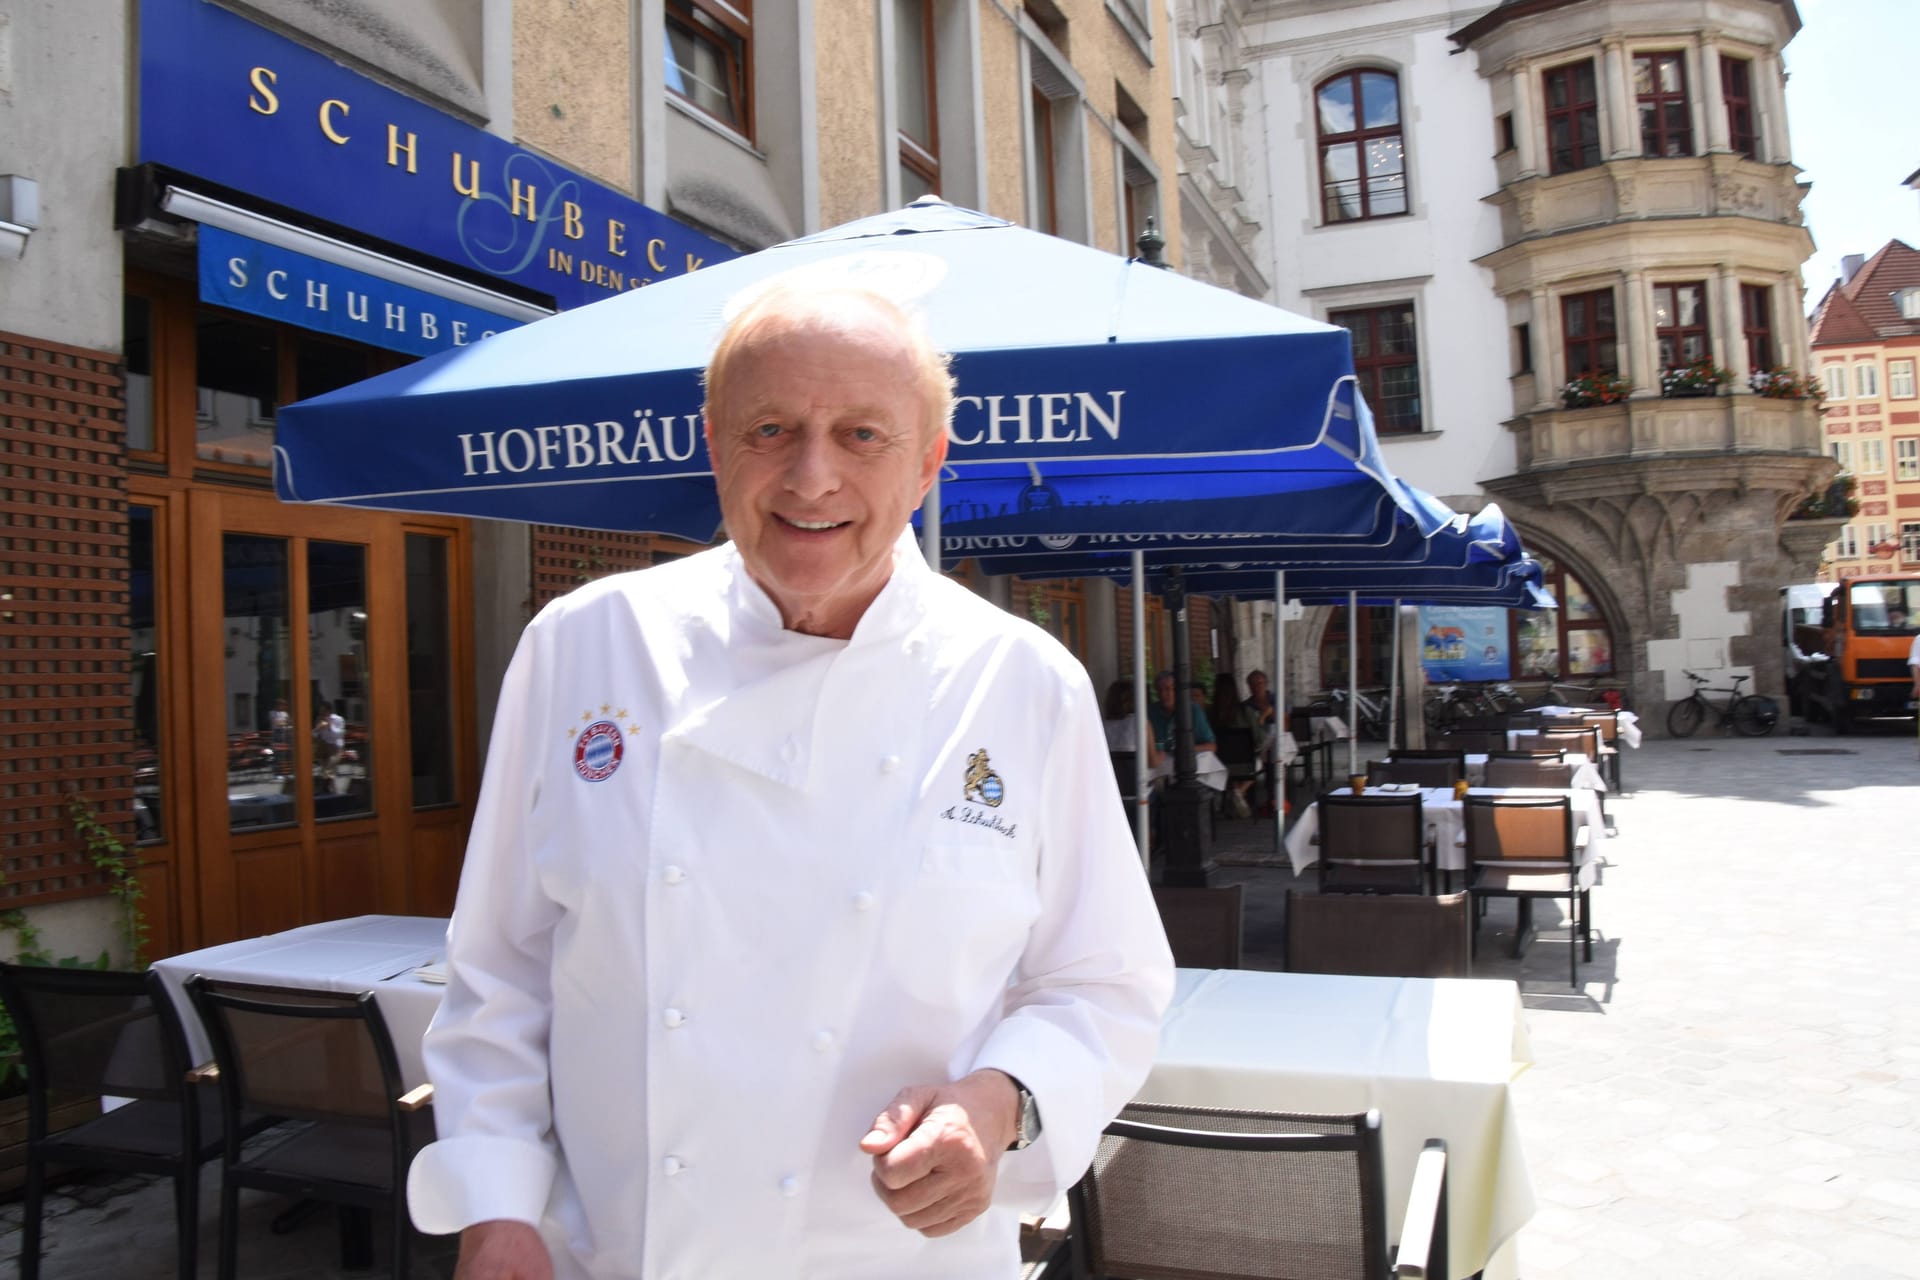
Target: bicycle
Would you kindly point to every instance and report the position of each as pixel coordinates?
(1751, 715)
(1450, 704)
(1372, 705)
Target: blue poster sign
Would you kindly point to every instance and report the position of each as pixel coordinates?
(233, 103)
(1464, 644)
(267, 280)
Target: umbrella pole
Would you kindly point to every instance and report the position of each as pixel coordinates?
(1393, 682)
(1142, 799)
(1353, 682)
(1278, 691)
(930, 524)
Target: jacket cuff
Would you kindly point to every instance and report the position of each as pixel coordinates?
(457, 1182)
(1053, 1067)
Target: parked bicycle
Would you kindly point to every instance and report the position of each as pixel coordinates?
(1372, 710)
(1449, 704)
(1751, 715)
(1567, 693)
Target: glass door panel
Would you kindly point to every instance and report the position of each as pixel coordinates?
(149, 817)
(337, 680)
(429, 671)
(258, 663)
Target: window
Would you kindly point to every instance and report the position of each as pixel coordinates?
(1908, 300)
(137, 337)
(1046, 204)
(1910, 540)
(1660, 89)
(1836, 378)
(1876, 535)
(1900, 379)
(237, 372)
(1872, 457)
(1573, 117)
(1363, 171)
(1057, 147)
(429, 677)
(1140, 185)
(1848, 547)
(1523, 347)
(1505, 124)
(149, 815)
(1756, 323)
(1866, 381)
(1680, 324)
(1591, 344)
(1736, 87)
(1906, 458)
(709, 51)
(1386, 357)
(1573, 640)
(915, 90)
(1841, 451)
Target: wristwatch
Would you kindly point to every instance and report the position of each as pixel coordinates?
(1028, 1130)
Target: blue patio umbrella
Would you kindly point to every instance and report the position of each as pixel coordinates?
(1096, 395)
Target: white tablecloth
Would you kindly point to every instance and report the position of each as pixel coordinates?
(1435, 1056)
(1442, 815)
(1629, 723)
(366, 953)
(1585, 772)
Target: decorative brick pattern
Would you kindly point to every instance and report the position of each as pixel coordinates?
(66, 702)
(566, 558)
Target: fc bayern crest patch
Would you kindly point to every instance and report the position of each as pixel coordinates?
(598, 750)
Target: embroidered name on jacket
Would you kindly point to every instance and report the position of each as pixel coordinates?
(972, 817)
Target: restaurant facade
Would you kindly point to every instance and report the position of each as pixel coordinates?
(210, 210)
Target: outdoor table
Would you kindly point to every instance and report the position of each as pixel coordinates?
(1446, 828)
(366, 953)
(1435, 1056)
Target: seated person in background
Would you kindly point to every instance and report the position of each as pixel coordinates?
(1122, 735)
(1160, 714)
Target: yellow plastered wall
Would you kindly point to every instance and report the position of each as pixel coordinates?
(848, 79)
(572, 80)
(1002, 103)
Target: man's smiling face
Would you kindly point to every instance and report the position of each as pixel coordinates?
(822, 444)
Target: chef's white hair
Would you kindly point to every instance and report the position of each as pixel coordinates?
(788, 302)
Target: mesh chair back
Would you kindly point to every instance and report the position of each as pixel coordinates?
(87, 1032)
(1204, 925)
(1536, 771)
(1387, 829)
(1526, 752)
(1476, 740)
(288, 1051)
(1518, 829)
(1607, 722)
(1400, 935)
(1577, 737)
(1181, 1192)
(1442, 771)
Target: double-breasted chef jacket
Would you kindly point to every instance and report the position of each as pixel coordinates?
(731, 887)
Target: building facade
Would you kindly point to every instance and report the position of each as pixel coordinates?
(212, 209)
(1866, 342)
(1566, 236)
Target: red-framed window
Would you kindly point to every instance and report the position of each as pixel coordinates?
(1363, 161)
(1386, 359)
(1680, 323)
(1756, 324)
(916, 93)
(1660, 90)
(710, 58)
(1736, 87)
(1590, 338)
(1573, 116)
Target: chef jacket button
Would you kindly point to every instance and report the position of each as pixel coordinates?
(914, 647)
(888, 764)
(823, 1040)
(673, 875)
(673, 1017)
(790, 1185)
(671, 1165)
(863, 901)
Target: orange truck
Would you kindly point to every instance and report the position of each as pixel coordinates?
(1869, 625)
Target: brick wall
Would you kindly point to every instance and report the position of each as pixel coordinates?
(66, 702)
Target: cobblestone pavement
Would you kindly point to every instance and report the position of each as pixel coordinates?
(1734, 1088)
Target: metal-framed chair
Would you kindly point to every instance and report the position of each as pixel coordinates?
(88, 1033)
(1374, 844)
(1204, 925)
(1399, 935)
(326, 1059)
(1427, 770)
(1525, 847)
(1198, 1193)
(1532, 771)
(1608, 725)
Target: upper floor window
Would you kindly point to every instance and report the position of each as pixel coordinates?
(1591, 339)
(1756, 321)
(1736, 86)
(1908, 300)
(1836, 379)
(1872, 457)
(1906, 458)
(1909, 540)
(1386, 358)
(709, 58)
(1573, 117)
(1866, 381)
(915, 93)
(1680, 323)
(1841, 451)
(1848, 546)
(1363, 162)
(1900, 379)
(1660, 89)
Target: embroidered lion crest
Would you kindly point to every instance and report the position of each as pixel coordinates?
(983, 784)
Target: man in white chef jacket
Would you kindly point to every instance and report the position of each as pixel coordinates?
(801, 932)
